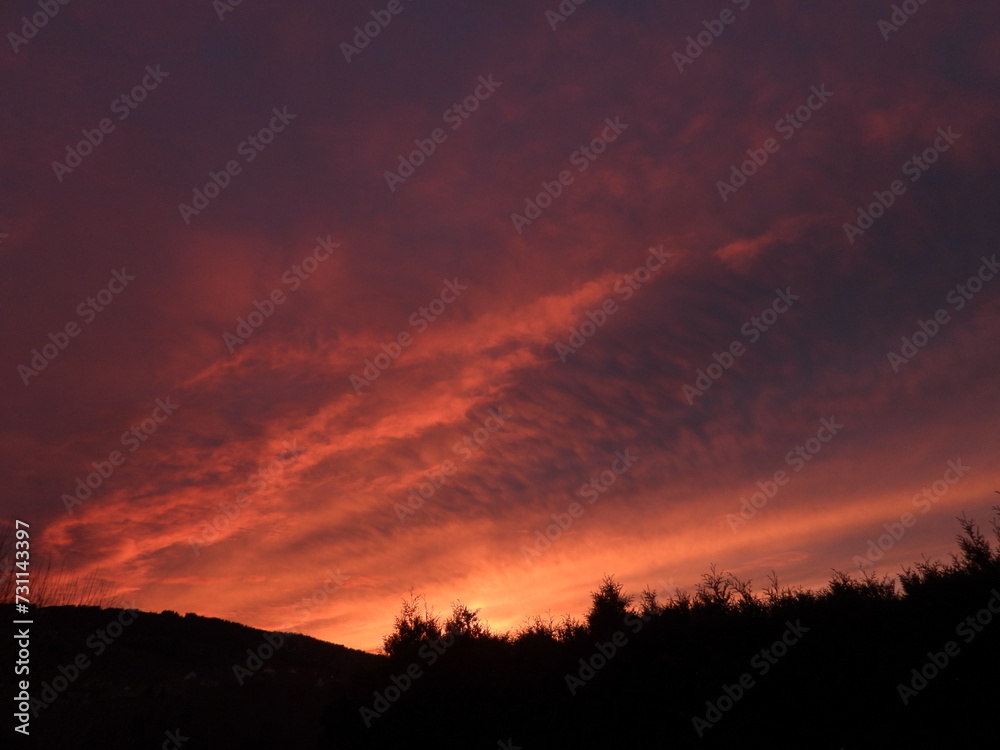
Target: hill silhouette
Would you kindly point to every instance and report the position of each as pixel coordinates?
(118, 678)
(866, 662)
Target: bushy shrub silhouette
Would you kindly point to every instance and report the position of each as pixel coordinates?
(976, 552)
(464, 624)
(608, 608)
(836, 687)
(415, 625)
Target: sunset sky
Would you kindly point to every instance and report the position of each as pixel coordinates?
(537, 233)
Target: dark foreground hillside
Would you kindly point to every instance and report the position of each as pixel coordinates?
(861, 664)
(864, 663)
(110, 679)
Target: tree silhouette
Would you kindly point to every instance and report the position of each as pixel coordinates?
(608, 608)
(414, 626)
